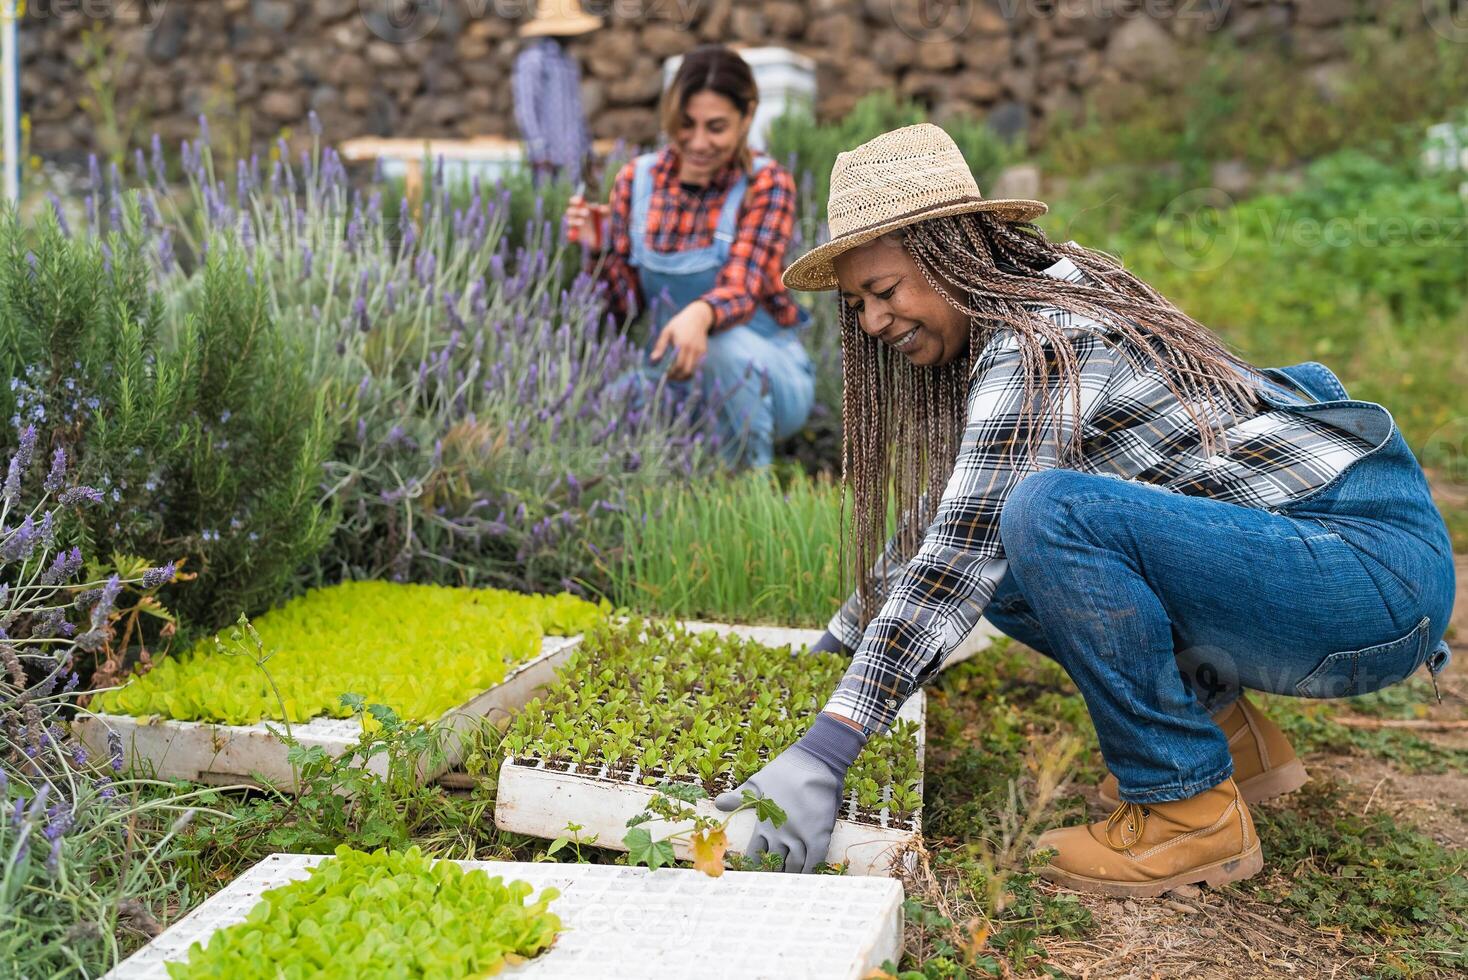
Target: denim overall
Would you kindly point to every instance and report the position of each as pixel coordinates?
(1163, 607)
(757, 374)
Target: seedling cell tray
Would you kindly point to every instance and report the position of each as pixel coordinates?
(252, 754)
(626, 923)
(538, 801)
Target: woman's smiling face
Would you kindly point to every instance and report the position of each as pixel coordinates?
(894, 303)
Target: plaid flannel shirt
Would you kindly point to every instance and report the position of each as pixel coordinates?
(1131, 427)
(679, 219)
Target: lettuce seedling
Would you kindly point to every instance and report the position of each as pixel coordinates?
(387, 913)
(419, 649)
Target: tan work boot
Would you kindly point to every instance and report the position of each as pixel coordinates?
(1265, 765)
(1143, 850)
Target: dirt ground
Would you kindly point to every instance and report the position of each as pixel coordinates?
(1206, 934)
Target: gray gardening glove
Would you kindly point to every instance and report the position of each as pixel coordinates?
(806, 781)
(829, 644)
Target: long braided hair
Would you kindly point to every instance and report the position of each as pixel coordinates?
(902, 424)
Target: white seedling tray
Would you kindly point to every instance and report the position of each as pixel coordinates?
(626, 923)
(540, 802)
(229, 754)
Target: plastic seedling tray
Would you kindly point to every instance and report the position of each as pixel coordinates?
(229, 754)
(625, 923)
(539, 801)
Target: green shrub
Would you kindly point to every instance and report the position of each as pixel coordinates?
(1360, 264)
(381, 914)
(418, 649)
(1259, 105)
(199, 424)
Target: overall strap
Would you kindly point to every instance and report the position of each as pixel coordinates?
(641, 200)
(733, 204)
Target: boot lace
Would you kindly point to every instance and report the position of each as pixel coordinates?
(1125, 825)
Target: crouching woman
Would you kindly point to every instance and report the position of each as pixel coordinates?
(1117, 490)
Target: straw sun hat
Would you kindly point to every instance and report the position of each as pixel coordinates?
(900, 178)
(559, 18)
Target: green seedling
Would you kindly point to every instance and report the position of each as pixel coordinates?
(708, 836)
(723, 707)
(369, 637)
(574, 839)
(360, 914)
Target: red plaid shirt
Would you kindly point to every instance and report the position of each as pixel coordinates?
(679, 219)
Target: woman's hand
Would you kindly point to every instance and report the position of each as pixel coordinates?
(688, 334)
(807, 781)
(581, 222)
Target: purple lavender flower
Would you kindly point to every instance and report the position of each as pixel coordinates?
(160, 171)
(114, 751)
(27, 447)
(106, 601)
(60, 214)
(57, 474)
(155, 577)
(21, 542)
(76, 494)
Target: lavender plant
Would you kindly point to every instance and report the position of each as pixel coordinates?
(84, 852)
(481, 435)
(196, 423)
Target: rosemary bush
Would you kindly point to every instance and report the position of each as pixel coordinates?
(198, 424)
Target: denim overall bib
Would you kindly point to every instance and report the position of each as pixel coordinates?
(1383, 506)
(757, 374)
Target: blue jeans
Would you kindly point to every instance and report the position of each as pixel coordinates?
(1162, 607)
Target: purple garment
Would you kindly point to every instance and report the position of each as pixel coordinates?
(548, 108)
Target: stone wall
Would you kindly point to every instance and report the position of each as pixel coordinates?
(442, 67)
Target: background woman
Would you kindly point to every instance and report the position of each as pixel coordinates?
(697, 238)
(1121, 493)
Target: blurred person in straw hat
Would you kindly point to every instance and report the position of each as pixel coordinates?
(696, 240)
(547, 89)
(1094, 471)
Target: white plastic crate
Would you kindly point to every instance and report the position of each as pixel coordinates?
(540, 802)
(228, 754)
(626, 923)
